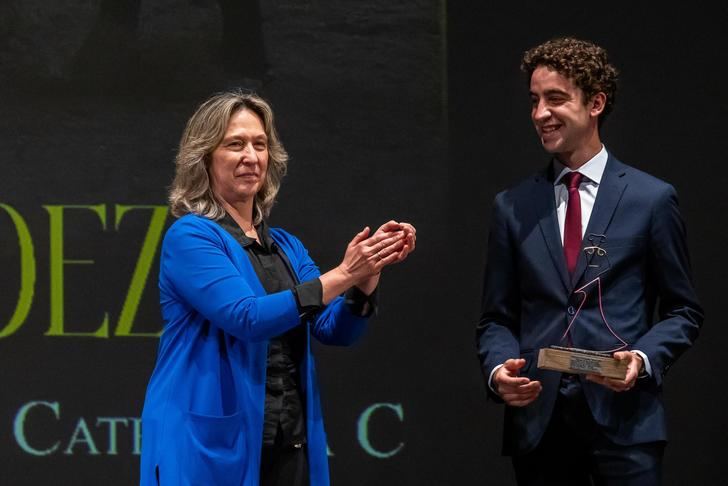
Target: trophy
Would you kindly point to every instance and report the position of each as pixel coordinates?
(584, 361)
(581, 361)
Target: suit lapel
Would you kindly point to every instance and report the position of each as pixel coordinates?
(610, 193)
(545, 205)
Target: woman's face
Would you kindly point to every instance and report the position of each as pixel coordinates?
(239, 164)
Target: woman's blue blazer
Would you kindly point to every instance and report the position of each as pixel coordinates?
(202, 422)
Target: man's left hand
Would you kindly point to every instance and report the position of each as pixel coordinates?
(634, 367)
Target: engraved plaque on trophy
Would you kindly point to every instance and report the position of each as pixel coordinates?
(581, 361)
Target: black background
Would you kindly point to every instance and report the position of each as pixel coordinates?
(414, 111)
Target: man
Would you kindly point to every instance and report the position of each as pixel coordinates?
(589, 253)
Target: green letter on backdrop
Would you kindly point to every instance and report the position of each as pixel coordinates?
(57, 262)
(141, 272)
(27, 273)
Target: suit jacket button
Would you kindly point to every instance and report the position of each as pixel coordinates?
(571, 310)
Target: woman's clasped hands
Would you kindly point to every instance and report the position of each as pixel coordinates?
(366, 255)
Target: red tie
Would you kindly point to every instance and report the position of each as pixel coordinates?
(572, 226)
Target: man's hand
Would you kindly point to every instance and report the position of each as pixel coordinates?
(516, 391)
(634, 367)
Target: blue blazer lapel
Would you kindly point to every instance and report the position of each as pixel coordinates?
(610, 193)
(545, 206)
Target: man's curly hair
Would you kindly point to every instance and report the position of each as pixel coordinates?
(583, 62)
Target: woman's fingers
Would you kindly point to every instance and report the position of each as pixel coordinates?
(360, 236)
(389, 226)
(400, 243)
(408, 227)
(405, 250)
(402, 254)
(386, 260)
(411, 235)
(384, 247)
(380, 236)
(368, 253)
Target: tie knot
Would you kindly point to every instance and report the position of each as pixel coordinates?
(572, 180)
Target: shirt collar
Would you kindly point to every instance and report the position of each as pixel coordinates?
(593, 169)
(229, 224)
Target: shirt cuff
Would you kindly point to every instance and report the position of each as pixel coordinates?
(490, 379)
(309, 297)
(361, 304)
(648, 368)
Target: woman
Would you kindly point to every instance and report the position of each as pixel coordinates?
(233, 399)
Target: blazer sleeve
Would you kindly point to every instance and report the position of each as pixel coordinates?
(335, 324)
(499, 319)
(196, 267)
(680, 315)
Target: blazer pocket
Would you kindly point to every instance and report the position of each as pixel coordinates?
(214, 450)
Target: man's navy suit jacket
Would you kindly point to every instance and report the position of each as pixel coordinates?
(647, 297)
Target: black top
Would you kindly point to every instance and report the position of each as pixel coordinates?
(283, 393)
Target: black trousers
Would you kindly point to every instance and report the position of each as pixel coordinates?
(575, 452)
(284, 464)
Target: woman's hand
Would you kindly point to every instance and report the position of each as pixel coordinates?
(367, 285)
(410, 234)
(365, 257)
(410, 241)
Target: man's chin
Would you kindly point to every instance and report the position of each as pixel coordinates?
(550, 146)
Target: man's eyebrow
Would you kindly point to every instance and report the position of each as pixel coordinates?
(551, 92)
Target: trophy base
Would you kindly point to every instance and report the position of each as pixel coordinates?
(581, 361)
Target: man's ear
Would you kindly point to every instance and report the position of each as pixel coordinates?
(597, 104)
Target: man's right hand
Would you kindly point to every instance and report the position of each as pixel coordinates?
(516, 391)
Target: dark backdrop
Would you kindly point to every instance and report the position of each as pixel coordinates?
(667, 121)
(411, 111)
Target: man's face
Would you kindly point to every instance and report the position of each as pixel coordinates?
(565, 125)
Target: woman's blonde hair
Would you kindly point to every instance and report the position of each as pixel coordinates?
(191, 191)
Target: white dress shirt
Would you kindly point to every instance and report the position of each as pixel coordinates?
(592, 171)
